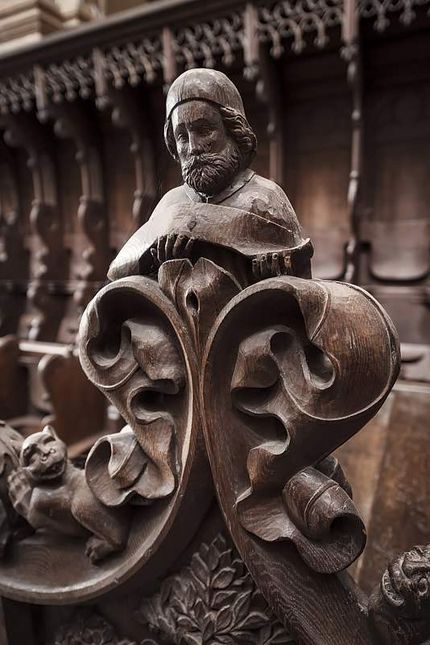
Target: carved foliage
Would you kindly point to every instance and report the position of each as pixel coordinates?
(199, 293)
(297, 393)
(135, 357)
(214, 600)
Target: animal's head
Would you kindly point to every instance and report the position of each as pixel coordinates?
(406, 583)
(44, 456)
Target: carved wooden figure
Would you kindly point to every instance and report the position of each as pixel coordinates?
(216, 345)
(52, 495)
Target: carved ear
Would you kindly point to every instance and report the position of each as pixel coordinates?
(50, 430)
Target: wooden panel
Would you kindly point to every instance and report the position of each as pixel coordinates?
(409, 309)
(318, 155)
(69, 182)
(361, 459)
(120, 180)
(19, 623)
(396, 501)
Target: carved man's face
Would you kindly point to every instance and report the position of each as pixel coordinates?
(208, 156)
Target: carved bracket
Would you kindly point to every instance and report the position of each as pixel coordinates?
(127, 114)
(45, 221)
(90, 250)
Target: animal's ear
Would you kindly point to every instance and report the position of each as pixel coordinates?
(50, 430)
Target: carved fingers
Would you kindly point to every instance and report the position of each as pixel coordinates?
(271, 265)
(19, 491)
(171, 247)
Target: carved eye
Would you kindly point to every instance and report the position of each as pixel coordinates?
(204, 130)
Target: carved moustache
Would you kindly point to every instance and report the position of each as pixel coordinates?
(209, 173)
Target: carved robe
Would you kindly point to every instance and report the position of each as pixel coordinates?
(251, 217)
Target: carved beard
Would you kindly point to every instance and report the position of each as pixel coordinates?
(210, 173)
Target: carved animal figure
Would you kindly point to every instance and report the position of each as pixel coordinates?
(53, 495)
(400, 607)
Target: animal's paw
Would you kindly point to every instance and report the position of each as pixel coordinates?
(98, 549)
(19, 489)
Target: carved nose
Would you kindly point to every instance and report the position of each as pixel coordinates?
(195, 147)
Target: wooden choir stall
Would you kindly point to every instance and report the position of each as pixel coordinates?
(215, 326)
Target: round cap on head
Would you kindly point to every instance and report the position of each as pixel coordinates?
(205, 85)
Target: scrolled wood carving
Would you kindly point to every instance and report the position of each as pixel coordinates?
(292, 369)
(136, 360)
(213, 322)
(294, 391)
(137, 350)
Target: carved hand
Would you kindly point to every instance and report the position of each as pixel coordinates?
(20, 491)
(171, 247)
(270, 265)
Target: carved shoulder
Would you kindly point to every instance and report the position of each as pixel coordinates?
(267, 198)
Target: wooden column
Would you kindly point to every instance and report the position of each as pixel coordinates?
(46, 244)
(90, 248)
(352, 54)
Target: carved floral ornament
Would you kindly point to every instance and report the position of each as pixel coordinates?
(161, 55)
(216, 345)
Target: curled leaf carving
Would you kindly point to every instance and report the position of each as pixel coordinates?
(132, 353)
(199, 292)
(293, 382)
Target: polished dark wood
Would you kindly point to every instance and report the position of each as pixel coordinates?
(343, 128)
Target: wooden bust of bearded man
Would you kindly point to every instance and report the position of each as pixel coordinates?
(223, 211)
